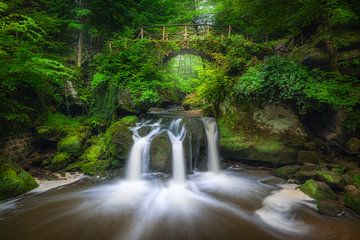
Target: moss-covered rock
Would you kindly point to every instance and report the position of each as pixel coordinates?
(239, 144)
(91, 161)
(60, 161)
(331, 178)
(160, 152)
(286, 171)
(14, 181)
(308, 157)
(119, 137)
(71, 145)
(317, 190)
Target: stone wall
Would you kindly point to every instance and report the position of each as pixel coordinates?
(17, 146)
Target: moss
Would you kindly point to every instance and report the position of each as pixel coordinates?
(91, 160)
(317, 190)
(14, 181)
(71, 145)
(119, 138)
(60, 161)
(352, 201)
(330, 177)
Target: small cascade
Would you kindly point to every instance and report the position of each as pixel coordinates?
(138, 160)
(212, 144)
(177, 135)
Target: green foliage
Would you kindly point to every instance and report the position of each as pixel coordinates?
(279, 80)
(27, 66)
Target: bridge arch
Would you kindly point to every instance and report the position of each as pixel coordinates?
(184, 51)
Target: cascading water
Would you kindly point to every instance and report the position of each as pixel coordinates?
(177, 135)
(138, 160)
(212, 144)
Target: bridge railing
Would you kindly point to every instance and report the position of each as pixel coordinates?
(182, 31)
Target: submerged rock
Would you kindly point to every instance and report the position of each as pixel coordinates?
(330, 207)
(14, 181)
(317, 190)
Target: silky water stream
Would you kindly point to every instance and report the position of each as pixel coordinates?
(195, 200)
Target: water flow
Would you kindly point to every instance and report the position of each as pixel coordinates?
(177, 135)
(212, 144)
(138, 160)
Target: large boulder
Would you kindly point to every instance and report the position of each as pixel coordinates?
(160, 153)
(119, 137)
(14, 181)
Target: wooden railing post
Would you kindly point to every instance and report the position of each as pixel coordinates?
(163, 33)
(141, 33)
(186, 33)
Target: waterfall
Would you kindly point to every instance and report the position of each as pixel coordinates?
(177, 135)
(212, 144)
(138, 159)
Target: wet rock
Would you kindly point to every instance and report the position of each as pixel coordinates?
(352, 200)
(286, 171)
(160, 153)
(302, 176)
(317, 190)
(330, 207)
(353, 145)
(309, 167)
(308, 157)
